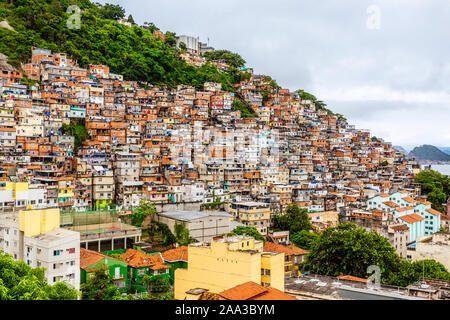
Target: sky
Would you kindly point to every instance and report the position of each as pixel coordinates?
(383, 64)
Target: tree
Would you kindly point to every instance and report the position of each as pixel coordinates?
(183, 46)
(62, 291)
(306, 96)
(248, 231)
(294, 220)
(18, 281)
(435, 186)
(77, 131)
(232, 59)
(159, 284)
(411, 272)
(304, 239)
(161, 230)
(349, 250)
(138, 216)
(100, 286)
(112, 12)
(130, 19)
(171, 39)
(182, 234)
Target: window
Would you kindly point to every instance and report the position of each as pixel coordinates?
(141, 272)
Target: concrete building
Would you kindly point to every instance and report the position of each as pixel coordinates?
(398, 235)
(192, 43)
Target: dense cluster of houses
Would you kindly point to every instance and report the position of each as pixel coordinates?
(183, 145)
(180, 145)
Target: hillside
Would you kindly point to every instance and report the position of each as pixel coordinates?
(131, 51)
(428, 153)
(134, 52)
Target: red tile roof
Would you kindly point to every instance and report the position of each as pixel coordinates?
(391, 204)
(89, 257)
(400, 228)
(253, 291)
(404, 209)
(411, 218)
(409, 199)
(278, 248)
(178, 254)
(139, 259)
(434, 212)
(424, 202)
(297, 249)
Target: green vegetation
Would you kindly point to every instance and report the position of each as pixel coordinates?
(212, 205)
(230, 58)
(182, 234)
(273, 83)
(156, 284)
(436, 187)
(100, 287)
(133, 51)
(160, 231)
(77, 131)
(18, 281)
(112, 12)
(293, 220)
(411, 272)
(349, 250)
(304, 239)
(320, 105)
(248, 231)
(238, 104)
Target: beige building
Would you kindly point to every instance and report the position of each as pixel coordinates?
(202, 226)
(398, 235)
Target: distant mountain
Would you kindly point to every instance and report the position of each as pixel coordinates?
(428, 153)
(446, 150)
(399, 148)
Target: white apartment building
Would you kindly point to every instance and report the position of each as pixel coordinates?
(57, 250)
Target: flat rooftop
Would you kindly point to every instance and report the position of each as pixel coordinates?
(56, 234)
(192, 215)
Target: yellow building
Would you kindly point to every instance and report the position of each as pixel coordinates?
(36, 222)
(255, 214)
(228, 262)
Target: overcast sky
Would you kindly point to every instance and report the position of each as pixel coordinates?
(383, 64)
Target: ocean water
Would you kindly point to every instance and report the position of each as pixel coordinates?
(441, 168)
